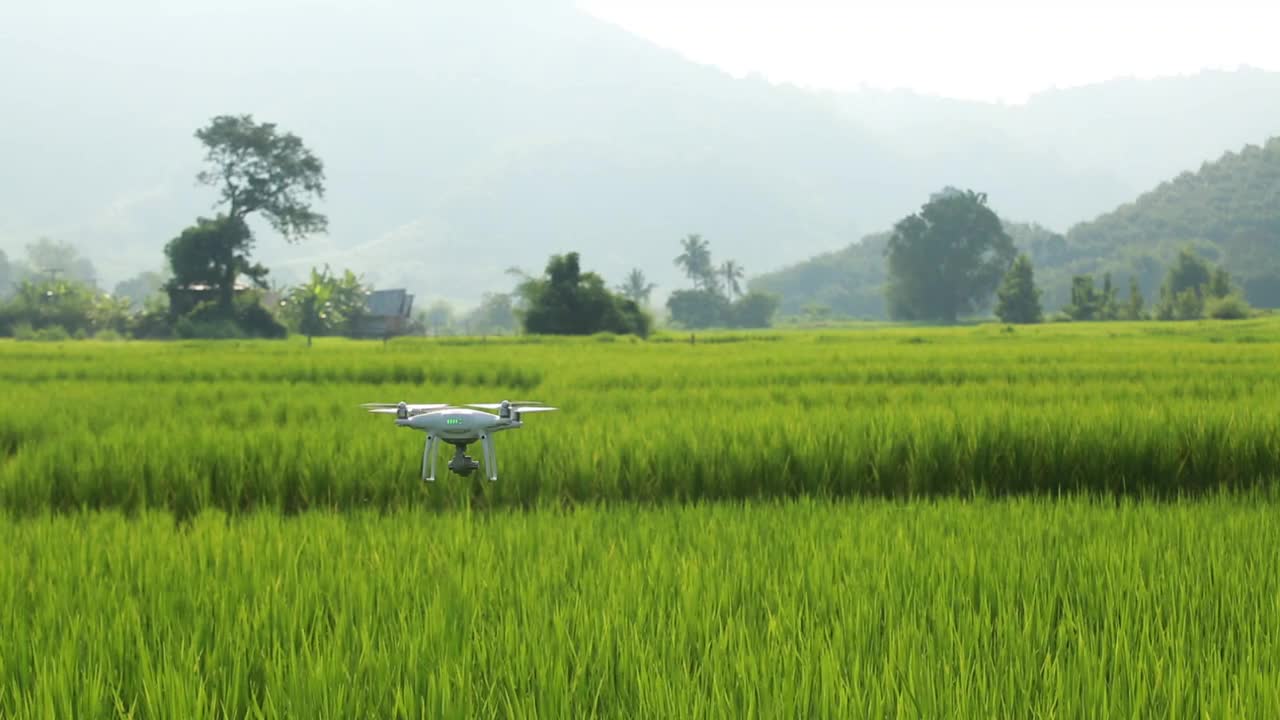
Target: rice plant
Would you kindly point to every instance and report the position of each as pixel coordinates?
(1139, 410)
(1010, 608)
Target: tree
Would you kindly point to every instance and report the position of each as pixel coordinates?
(46, 303)
(52, 260)
(1133, 309)
(696, 262)
(1108, 306)
(636, 288)
(1220, 285)
(210, 255)
(495, 314)
(1018, 300)
(6, 274)
(754, 310)
(567, 301)
(256, 170)
(326, 304)
(1182, 295)
(731, 271)
(259, 170)
(1086, 302)
(698, 308)
(140, 287)
(946, 259)
(438, 318)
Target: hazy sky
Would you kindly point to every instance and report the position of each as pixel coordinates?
(1000, 50)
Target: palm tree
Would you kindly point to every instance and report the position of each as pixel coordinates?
(732, 274)
(636, 287)
(696, 261)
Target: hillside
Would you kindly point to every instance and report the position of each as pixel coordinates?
(1229, 210)
(462, 139)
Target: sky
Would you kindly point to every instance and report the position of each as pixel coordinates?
(989, 50)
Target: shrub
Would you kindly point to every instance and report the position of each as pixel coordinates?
(1231, 307)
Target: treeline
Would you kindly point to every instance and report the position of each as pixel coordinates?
(1225, 214)
(213, 288)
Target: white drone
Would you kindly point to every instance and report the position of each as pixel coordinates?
(459, 425)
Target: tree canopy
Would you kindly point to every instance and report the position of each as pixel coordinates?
(946, 259)
(257, 169)
(326, 304)
(568, 301)
(1018, 300)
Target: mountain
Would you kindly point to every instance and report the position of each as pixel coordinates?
(1229, 211)
(464, 138)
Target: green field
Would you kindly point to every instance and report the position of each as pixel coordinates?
(1134, 409)
(1058, 521)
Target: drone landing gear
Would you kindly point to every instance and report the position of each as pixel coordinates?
(461, 463)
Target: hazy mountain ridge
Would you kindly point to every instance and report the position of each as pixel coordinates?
(1228, 210)
(460, 140)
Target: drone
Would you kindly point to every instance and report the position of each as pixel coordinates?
(459, 425)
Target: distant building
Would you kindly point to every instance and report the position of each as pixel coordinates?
(387, 314)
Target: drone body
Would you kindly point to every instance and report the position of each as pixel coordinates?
(459, 426)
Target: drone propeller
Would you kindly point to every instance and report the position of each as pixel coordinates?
(539, 408)
(511, 403)
(394, 408)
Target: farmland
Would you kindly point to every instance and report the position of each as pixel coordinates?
(968, 522)
(1140, 409)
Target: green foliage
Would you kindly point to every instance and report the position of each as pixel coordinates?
(249, 319)
(696, 309)
(636, 287)
(1227, 206)
(1089, 303)
(753, 310)
(947, 259)
(141, 287)
(695, 260)
(1009, 609)
(326, 304)
(1194, 287)
(1228, 307)
(568, 301)
(257, 169)
(40, 304)
(206, 259)
(1133, 309)
(1119, 409)
(1018, 299)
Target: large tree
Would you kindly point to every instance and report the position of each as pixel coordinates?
(211, 254)
(946, 259)
(567, 301)
(257, 170)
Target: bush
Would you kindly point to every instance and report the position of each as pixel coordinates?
(51, 333)
(108, 335)
(1231, 307)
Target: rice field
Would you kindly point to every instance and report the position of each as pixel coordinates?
(1144, 410)
(1011, 608)
(1059, 521)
